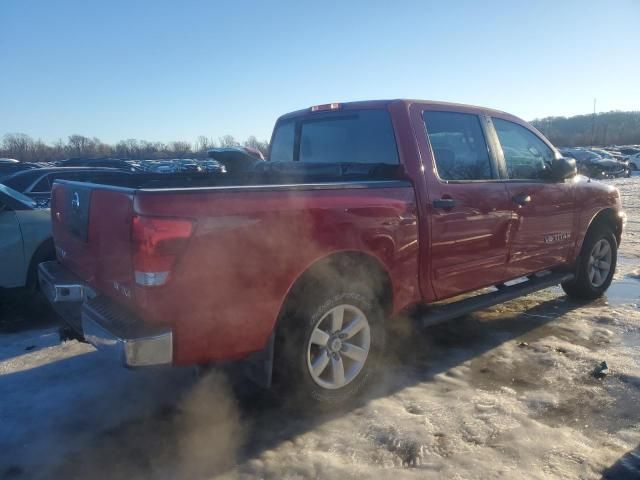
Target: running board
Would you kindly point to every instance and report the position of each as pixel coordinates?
(441, 313)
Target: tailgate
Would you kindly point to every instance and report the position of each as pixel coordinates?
(92, 232)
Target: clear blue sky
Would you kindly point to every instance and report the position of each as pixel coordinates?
(173, 70)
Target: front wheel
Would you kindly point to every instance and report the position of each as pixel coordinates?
(329, 345)
(596, 265)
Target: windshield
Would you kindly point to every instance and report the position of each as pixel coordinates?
(602, 153)
(22, 180)
(10, 192)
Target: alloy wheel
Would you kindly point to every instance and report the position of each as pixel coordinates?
(338, 346)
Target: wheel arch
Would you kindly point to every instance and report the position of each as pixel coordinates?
(608, 217)
(353, 264)
(605, 217)
(44, 251)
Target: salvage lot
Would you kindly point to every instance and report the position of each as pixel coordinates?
(507, 392)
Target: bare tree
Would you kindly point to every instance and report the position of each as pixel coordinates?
(204, 143)
(253, 142)
(80, 145)
(18, 146)
(24, 148)
(228, 141)
(180, 149)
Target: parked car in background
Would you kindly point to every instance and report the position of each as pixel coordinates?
(9, 168)
(595, 165)
(634, 161)
(181, 165)
(120, 164)
(363, 210)
(235, 158)
(36, 183)
(629, 150)
(616, 154)
(621, 159)
(25, 239)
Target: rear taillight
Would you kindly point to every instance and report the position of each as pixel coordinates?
(157, 243)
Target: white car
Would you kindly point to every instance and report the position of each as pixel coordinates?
(25, 239)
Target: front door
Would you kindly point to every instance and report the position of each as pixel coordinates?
(543, 228)
(469, 209)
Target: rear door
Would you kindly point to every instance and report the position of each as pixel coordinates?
(543, 210)
(468, 207)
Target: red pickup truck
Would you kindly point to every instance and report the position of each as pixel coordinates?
(361, 211)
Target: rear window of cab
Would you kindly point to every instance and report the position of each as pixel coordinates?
(353, 136)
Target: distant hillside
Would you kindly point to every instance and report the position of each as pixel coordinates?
(611, 128)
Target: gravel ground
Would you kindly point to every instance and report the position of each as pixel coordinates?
(504, 393)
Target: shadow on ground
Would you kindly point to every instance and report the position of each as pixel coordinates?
(21, 309)
(626, 468)
(220, 425)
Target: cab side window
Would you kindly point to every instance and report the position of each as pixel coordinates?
(283, 142)
(526, 156)
(458, 146)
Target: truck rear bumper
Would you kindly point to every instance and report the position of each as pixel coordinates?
(107, 326)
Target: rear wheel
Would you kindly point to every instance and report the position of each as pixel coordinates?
(329, 344)
(596, 265)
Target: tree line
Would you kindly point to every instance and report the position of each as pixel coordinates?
(610, 128)
(24, 148)
(603, 129)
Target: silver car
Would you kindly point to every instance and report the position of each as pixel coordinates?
(25, 239)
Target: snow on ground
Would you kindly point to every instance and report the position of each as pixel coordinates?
(504, 393)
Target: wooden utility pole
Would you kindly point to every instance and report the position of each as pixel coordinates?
(593, 124)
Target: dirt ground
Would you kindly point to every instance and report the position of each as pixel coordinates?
(503, 393)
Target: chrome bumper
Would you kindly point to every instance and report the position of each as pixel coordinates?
(105, 325)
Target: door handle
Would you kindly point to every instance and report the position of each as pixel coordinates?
(521, 199)
(444, 203)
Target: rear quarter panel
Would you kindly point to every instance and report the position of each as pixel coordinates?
(249, 247)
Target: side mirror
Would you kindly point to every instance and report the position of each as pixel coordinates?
(563, 168)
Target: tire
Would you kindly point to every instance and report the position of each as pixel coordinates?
(592, 278)
(309, 347)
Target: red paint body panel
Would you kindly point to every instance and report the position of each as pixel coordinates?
(550, 213)
(249, 245)
(248, 249)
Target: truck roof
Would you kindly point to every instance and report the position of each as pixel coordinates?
(406, 101)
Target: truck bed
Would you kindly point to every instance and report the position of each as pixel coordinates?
(261, 173)
(248, 244)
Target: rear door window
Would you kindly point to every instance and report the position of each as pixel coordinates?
(458, 146)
